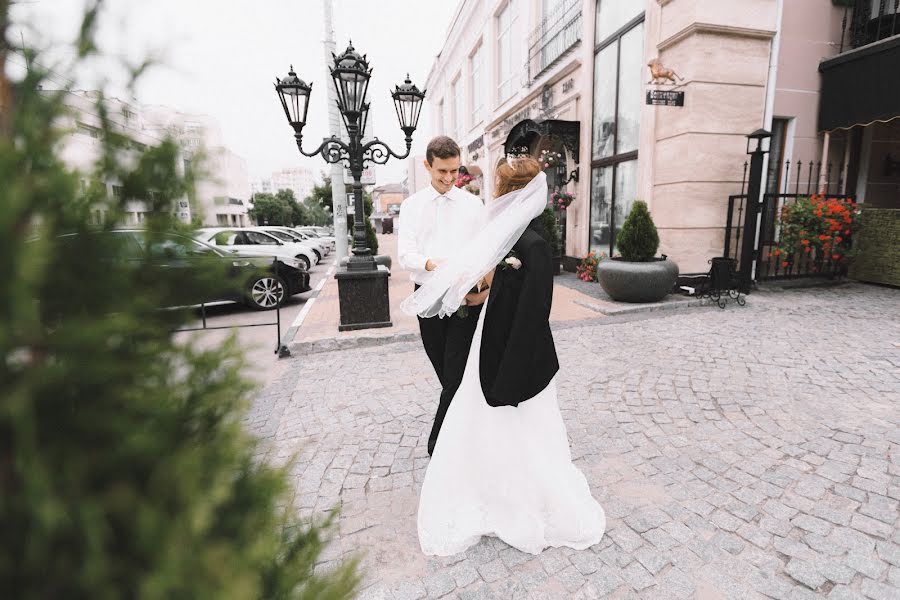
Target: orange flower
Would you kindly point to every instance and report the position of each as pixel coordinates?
(777, 252)
(804, 242)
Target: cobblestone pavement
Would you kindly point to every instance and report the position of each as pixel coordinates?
(739, 453)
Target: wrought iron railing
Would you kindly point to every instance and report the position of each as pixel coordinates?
(557, 32)
(868, 21)
(805, 179)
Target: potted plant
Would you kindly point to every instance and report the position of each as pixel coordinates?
(637, 275)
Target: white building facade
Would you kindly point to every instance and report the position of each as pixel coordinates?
(511, 78)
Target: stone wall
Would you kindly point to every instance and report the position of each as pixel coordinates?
(878, 260)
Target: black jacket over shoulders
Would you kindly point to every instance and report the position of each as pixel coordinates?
(518, 358)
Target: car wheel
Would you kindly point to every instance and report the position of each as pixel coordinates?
(318, 255)
(266, 292)
(305, 261)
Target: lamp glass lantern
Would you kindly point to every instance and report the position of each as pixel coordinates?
(294, 95)
(762, 138)
(408, 101)
(351, 74)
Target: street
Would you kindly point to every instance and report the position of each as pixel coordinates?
(743, 453)
(258, 343)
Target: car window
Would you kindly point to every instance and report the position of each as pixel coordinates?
(257, 237)
(285, 237)
(172, 246)
(225, 238)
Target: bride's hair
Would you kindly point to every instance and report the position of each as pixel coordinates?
(515, 173)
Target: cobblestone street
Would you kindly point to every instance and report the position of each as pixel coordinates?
(741, 453)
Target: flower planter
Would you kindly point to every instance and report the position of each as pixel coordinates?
(626, 281)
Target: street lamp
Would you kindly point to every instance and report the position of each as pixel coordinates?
(362, 285)
(751, 215)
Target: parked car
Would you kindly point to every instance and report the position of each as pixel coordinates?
(259, 243)
(304, 238)
(286, 234)
(260, 282)
(312, 232)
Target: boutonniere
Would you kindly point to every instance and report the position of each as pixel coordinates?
(511, 261)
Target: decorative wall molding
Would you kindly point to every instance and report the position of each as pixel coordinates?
(715, 29)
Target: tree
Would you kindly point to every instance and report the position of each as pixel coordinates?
(124, 467)
(638, 239)
(270, 210)
(298, 215)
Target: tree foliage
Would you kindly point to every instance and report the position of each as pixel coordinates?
(124, 468)
(638, 239)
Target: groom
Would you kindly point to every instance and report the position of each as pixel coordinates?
(434, 223)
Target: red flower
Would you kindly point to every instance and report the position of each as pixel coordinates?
(838, 239)
(805, 243)
(835, 257)
(777, 252)
(784, 263)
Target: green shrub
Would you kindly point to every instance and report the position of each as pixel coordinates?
(638, 240)
(125, 470)
(548, 220)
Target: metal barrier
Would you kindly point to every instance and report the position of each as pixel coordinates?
(280, 349)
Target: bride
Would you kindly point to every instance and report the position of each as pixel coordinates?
(502, 465)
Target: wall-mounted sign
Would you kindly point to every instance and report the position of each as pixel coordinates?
(568, 85)
(665, 98)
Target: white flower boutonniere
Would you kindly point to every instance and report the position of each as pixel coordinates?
(510, 262)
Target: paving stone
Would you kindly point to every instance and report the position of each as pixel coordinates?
(646, 520)
(812, 524)
(482, 592)
(409, 590)
(439, 584)
(652, 560)
(889, 552)
(637, 576)
(626, 539)
(771, 586)
(879, 591)
(871, 526)
(726, 521)
(804, 572)
(866, 564)
(464, 574)
(493, 570)
(585, 563)
(881, 508)
(843, 592)
(571, 579)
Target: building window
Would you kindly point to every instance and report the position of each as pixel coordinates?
(477, 85)
(618, 68)
(506, 40)
(456, 108)
(222, 219)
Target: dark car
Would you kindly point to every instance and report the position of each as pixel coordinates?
(257, 281)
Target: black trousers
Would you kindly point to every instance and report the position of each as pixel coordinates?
(447, 342)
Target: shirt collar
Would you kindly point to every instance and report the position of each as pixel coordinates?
(436, 194)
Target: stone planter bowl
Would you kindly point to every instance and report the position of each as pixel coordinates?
(626, 281)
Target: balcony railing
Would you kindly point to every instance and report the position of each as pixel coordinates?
(868, 21)
(557, 32)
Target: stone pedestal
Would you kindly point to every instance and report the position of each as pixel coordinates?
(364, 299)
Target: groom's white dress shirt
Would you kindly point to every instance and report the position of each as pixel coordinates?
(434, 226)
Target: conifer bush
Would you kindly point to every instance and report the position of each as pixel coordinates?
(124, 469)
(638, 239)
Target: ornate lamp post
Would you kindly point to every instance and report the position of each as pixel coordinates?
(754, 198)
(362, 285)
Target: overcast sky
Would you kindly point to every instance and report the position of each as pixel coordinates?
(221, 58)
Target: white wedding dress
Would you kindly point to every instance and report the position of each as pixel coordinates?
(504, 471)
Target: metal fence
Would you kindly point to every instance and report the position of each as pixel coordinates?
(805, 179)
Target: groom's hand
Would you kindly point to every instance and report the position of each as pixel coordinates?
(477, 299)
(430, 265)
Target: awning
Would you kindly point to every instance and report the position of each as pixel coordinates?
(860, 87)
(525, 134)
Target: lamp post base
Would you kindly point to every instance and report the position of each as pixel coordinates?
(364, 299)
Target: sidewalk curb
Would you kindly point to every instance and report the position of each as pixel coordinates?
(640, 308)
(337, 344)
(288, 338)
